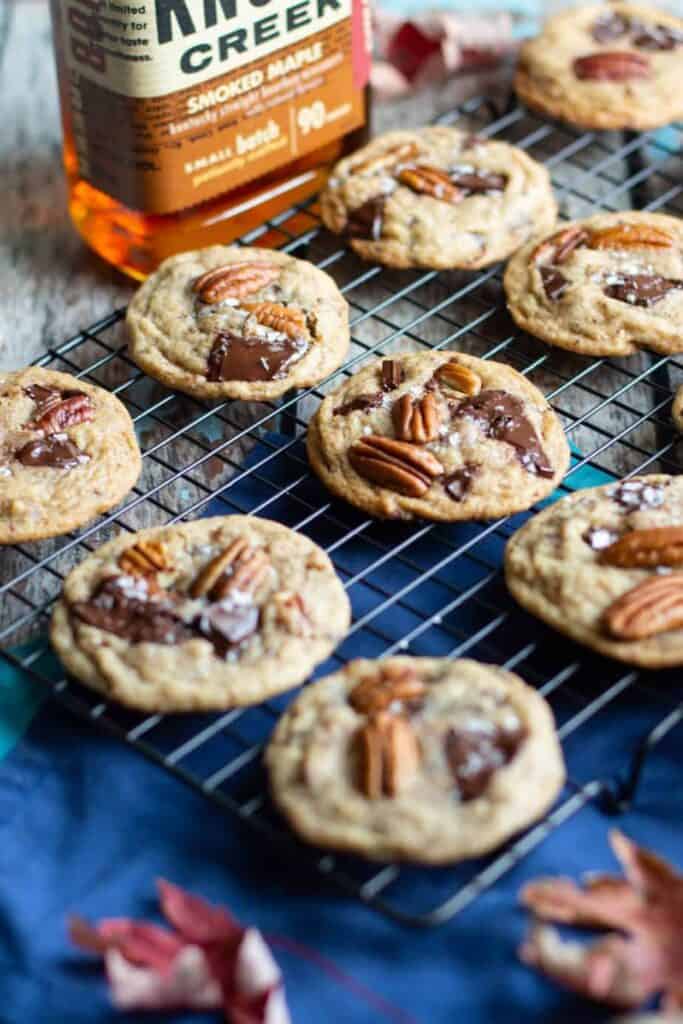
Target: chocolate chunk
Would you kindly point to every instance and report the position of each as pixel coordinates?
(475, 754)
(478, 181)
(227, 624)
(609, 27)
(53, 452)
(40, 393)
(599, 537)
(501, 417)
(363, 402)
(554, 282)
(635, 495)
(125, 607)
(459, 483)
(392, 374)
(657, 37)
(366, 220)
(235, 358)
(641, 289)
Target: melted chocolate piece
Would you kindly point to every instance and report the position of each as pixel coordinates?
(236, 358)
(366, 220)
(53, 452)
(642, 289)
(125, 607)
(554, 282)
(363, 402)
(478, 181)
(599, 537)
(458, 484)
(227, 624)
(474, 755)
(501, 417)
(609, 27)
(638, 494)
(657, 37)
(392, 374)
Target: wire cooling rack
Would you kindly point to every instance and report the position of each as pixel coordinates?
(420, 588)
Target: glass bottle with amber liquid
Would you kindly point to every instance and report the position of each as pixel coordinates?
(189, 122)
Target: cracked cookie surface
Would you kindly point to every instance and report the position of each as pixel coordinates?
(607, 285)
(605, 566)
(607, 67)
(205, 615)
(238, 322)
(439, 198)
(420, 759)
(438, 435)
(68, 453)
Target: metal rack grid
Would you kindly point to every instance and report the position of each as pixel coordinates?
(419, 588)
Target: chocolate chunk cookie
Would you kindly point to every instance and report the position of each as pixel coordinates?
(233, 322)
(605, 286)
(605, 566)
(199, 616)
(67, 453)
(420, 759)
(438, 435)
(677, 410)
(608, 66)
(438, 198)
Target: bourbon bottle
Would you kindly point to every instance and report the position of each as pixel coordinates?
(189, 122)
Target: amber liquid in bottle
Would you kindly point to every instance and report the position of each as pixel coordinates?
(136, 241)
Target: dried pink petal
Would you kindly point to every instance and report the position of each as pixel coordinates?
(187, 985)
(621, 970)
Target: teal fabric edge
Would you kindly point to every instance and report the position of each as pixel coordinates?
(21, 696)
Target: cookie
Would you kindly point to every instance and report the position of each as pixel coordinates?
(605, 286)
(677, 410)
(438, 198)
(199, 616)
(611, 67)
(420, 759)
(605, 566)
(438, 435)
(234, 322)
(67, 453)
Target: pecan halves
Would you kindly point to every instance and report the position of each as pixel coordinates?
(284, 319)
(558, 247)
(652, 607)
(392, 374)
(431, 181)
(391, 685)
(397, 154)
(459, 378)
(389, 756)
(612, 66)
(238, 567)
(234, 280)
(646, 549)
(416, 420)
(145, 558)
(630, 236)
(397, 465)
(57, 415)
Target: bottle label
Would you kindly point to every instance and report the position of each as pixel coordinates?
(172, 102)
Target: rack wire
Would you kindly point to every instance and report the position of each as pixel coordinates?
(420, 588)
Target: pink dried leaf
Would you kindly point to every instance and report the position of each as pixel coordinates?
(196, 919)
(620, 969)
(140, 942)
(614, 970)
(186, 985)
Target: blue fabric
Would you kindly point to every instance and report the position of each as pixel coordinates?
(87, 824)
